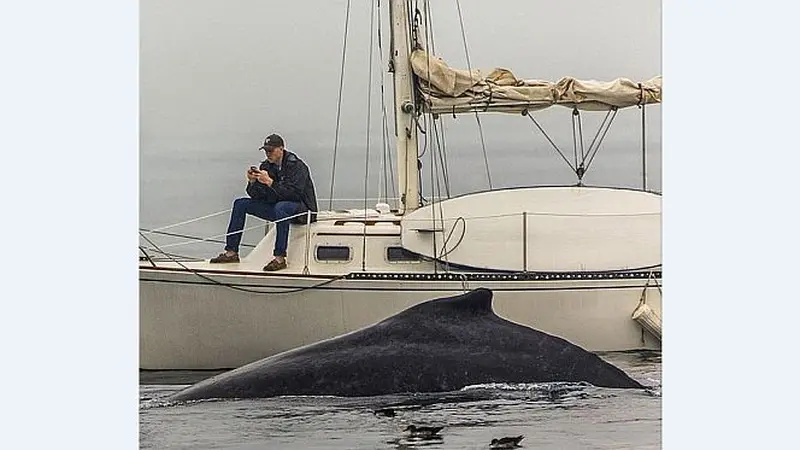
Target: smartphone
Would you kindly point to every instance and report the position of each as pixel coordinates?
(253, 169)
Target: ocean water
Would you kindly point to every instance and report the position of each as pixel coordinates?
(550, 415)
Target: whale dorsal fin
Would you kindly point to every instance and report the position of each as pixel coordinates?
(475, 302)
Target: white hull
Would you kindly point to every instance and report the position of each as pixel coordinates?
(347, 271)
(188, 322)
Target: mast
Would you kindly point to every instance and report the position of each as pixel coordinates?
(404, 109)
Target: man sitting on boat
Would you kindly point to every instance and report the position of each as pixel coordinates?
(279, 190)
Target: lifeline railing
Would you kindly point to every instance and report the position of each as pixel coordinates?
(444, 251)
(438, 226)
(191, 240)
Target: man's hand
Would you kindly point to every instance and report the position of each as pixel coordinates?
(251, 176)
(263, 177)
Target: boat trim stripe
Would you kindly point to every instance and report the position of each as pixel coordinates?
(451, 276)
(252, 287)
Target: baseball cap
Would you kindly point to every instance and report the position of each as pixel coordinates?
(273, 140)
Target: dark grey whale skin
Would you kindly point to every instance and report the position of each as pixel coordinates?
(441, 345)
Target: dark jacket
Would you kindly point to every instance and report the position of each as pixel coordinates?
(292, 182)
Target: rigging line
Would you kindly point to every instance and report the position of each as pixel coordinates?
(461, 238)
(597, 149)
(166, 227)
(339, 103)
(233, 232)
(429, 26)
(410, 24)
(147, 257)
(436, 189)
(443, 152)
(464, 39)
(430, 49)
(210, 239)
(426, 13)
(438, 148)
(575, 136)
(413, 221)
(527, 113)
(644, 154)
(421, 190)
(477, 118)
(424, 134)
(253, 291)
(441, 209)
(428, 43)
(416, 80)
(413, 7)
(440, 151)
(430, 121)
(145, 230)
(382, 177)
(580, 135)
(434, 184)
(387, 140)
(419, 128)
(380, 184)
(379, 179)
(599, 129)
(483, 147)
(369, 122)
(388, 169)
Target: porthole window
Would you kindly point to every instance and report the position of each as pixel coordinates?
(399, 254)
(336, 253)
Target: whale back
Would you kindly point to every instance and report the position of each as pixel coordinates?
(440, 345)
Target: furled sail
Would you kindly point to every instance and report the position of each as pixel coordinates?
(448, 90)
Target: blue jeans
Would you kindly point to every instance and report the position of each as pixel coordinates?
(268, 211)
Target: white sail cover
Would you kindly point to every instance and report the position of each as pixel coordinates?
(445, 89)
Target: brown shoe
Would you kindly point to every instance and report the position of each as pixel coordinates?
(224, 258)
(275, 265)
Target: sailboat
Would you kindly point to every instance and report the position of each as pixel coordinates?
(580, 262)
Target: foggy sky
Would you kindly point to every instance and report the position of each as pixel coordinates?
(222, 74)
